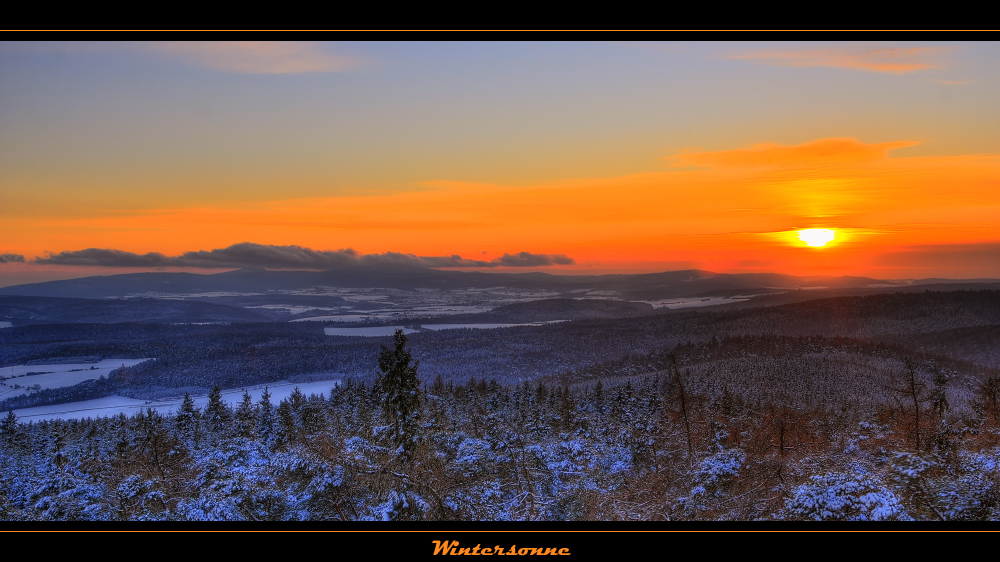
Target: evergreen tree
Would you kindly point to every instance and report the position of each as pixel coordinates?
(187, 419)
(399, 391)
(265, 412)
(8, 429)
(313, 415)
(245, 419)
(286, 422)
(567, 411)
(217, 412)
(438, 387)
(9, 424)
(57, 444)
(939, 398)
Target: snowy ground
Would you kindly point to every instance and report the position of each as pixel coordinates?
(293, 309)
(377, 331)
(397, 305)
(6, 325)
(690, 302)
(394, 313)
(114, 405)
(370, 332)
(437, 327)
(339, 318)
(22, 379)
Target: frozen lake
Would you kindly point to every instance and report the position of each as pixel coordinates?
(370, 332)
(436, 327)
(114, 405)
(293, 309)
(340, 318)
(20, 379)
(396, 313)
(694, 302)
(378, 331)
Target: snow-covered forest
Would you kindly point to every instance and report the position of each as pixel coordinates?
(651, 447)
(873, 408)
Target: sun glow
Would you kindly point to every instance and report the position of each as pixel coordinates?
(816, 236)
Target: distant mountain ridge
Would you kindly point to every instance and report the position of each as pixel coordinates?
(554, 309)
(667, 284)
(51, 310)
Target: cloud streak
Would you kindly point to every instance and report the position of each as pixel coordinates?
(818, 152)
(944, 256)
(887, 60)
(525, 259)
(257, 57)
(243, 57)
(11, 258)
(247, 254)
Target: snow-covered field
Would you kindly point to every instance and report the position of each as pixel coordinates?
(293, 309)
(371, 332)
(394, 313)
(6, 325)
(436, 327)
(21, 379)
(377, 331)
(339, 318)
(690, 302)
(114, 405)
(449, 309)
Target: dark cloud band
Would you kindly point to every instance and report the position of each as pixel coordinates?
(525, 259)
(944, 256)
(11, 258)
(248, 254)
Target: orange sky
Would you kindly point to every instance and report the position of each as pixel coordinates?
(734, 210)
(581, 149)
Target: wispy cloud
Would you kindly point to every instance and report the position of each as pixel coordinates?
(257, 57)
(11, 258)
(818, 152)
(247, 254)
(900, 60)
(246, 57)
(526, 259)
(945, 257)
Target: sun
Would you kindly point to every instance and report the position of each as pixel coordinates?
(816, 236)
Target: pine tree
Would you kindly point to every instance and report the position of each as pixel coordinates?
(313, 415)
(286, 422)
(438, 387)
(217, 412)
(567, 411)
(57, 444)
(245, 420)
(8, 428)
(187, 419)
(399, 390)
(265, 416)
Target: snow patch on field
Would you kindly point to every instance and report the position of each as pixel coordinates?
(115, 405)
(437, 327)
(378, 331)
(693, 302)
(370, 332)
(295, 309)
(6, 325)
(23, 379)
(338, 318)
